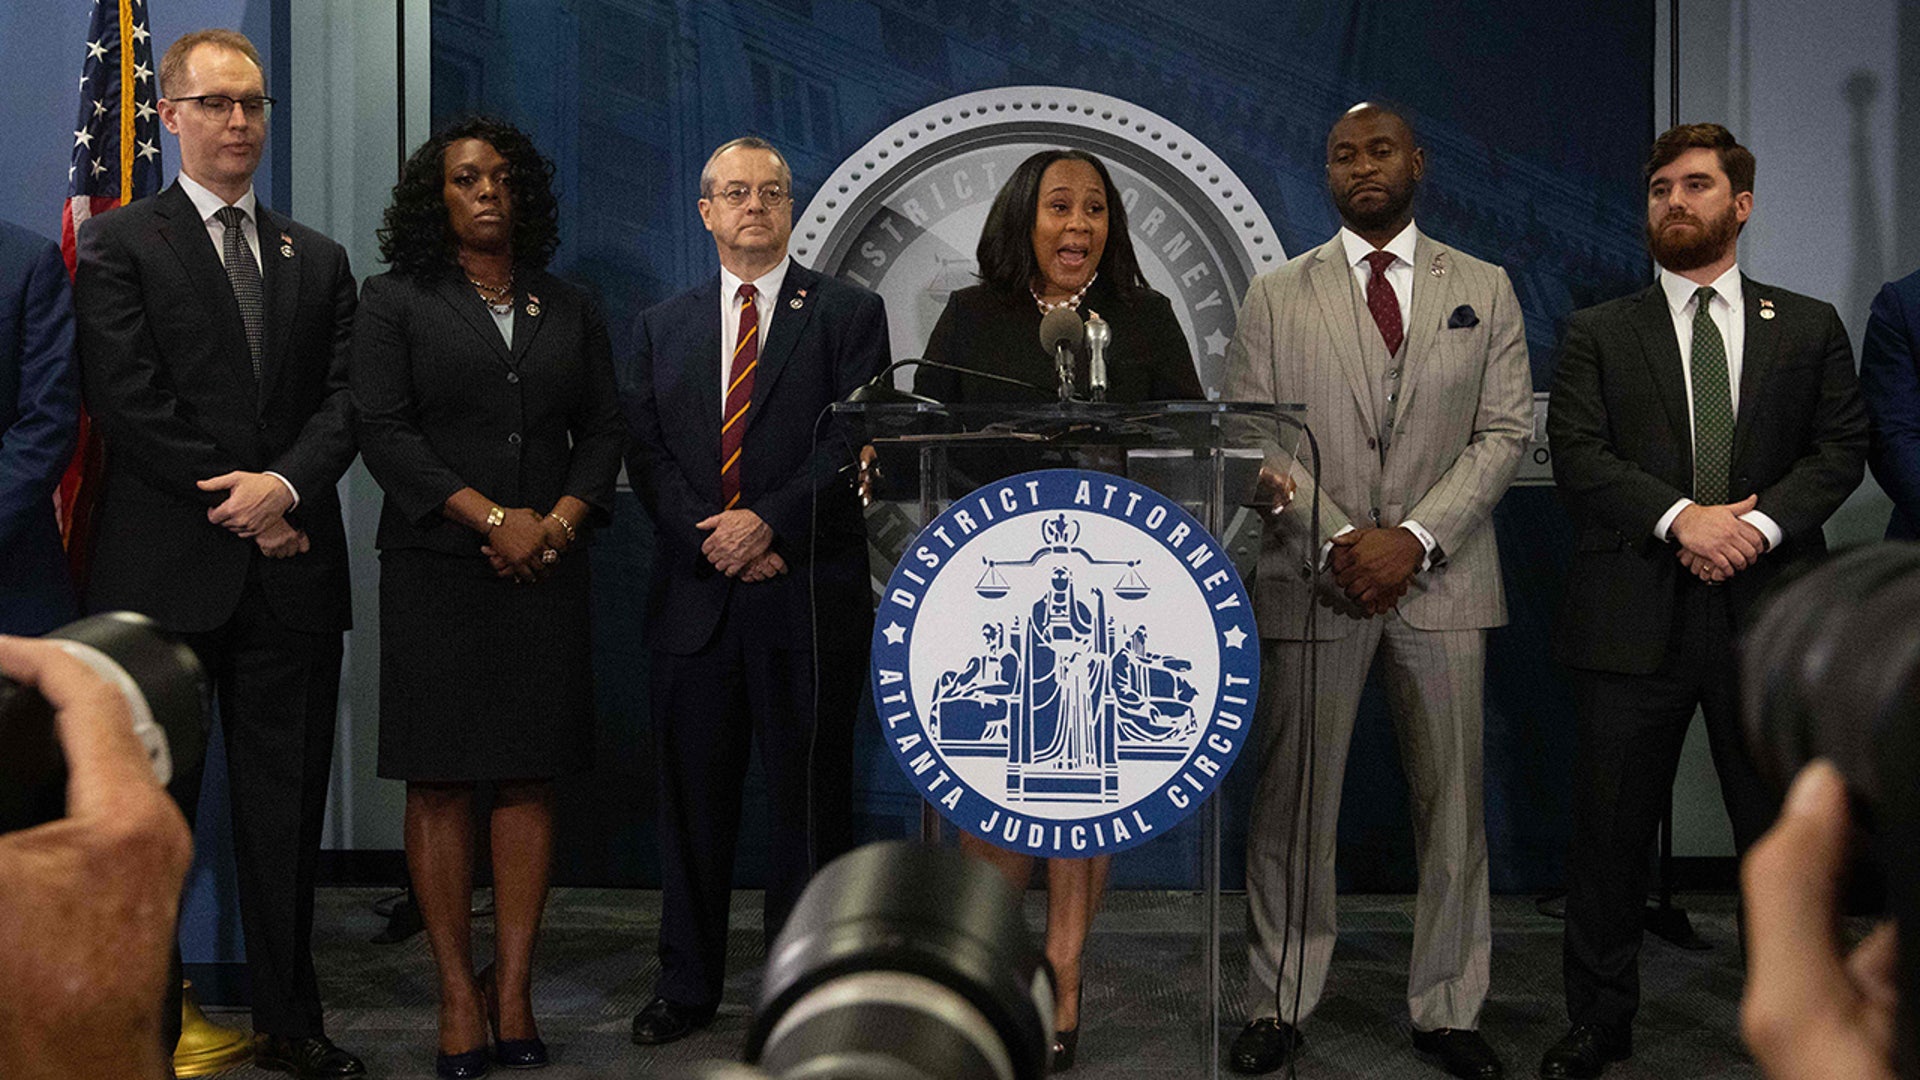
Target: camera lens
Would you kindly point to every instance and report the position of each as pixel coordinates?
(165, 692)
(902, 961)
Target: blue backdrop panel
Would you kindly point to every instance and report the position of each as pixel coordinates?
(1535, 119)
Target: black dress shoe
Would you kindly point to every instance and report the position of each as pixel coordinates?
(1461, 1052)
(1585, 1052)
(1264, 1045)
(465, 1066)
(313, 1058)
(663, 1021)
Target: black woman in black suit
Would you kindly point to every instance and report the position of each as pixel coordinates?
(487, 412)
(1056, 236)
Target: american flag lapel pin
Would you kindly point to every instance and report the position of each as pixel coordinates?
(799, 301)
(1766, 308)
(533, 306)
(286, 246)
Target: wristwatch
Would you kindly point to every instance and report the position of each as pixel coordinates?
(495, 516)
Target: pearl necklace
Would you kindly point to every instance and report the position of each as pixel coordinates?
(1070, 302)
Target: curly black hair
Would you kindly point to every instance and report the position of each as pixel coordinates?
(415, 238)
(1005, 253)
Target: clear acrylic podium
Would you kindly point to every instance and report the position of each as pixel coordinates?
(916, 458)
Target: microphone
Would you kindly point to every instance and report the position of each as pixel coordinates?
(1099, 336)
(880, 389)
(1060, 334)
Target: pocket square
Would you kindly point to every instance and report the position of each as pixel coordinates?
(1462, 318)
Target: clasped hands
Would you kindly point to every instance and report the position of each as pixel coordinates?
(517, 547)
(1374, 566)
(254, 508)
(740, 545)
(1714, 543)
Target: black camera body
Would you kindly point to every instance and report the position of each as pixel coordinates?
(1831, 668)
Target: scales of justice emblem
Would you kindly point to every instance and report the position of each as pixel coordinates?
(1065, 663)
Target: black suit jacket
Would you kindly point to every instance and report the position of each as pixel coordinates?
(988, 329)
(827, 338)
(167, 377)
(444, 403)
(1623, 454)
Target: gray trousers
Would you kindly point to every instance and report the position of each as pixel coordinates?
(1434, 684)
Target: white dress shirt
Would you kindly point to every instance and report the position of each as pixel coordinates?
(1729, 314)
(1400, 279)
(207, 204)
(766, 293)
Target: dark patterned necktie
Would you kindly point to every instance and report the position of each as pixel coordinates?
(1382, 303)
(1712, 406)
(733, 425)
(244, 274)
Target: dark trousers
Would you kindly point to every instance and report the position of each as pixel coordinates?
(1631, 730)
(276, 690)
(709, 709)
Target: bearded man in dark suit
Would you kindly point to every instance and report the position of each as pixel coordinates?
(1703, 430)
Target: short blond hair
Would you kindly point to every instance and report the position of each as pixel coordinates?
(173, 66)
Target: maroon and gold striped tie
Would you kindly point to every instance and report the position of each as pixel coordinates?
(733, 425)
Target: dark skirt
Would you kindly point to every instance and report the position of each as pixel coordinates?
(482, 678)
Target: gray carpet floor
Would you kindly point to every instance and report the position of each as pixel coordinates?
(1145, 1005)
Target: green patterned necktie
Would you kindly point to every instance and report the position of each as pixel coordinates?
(1712, 406)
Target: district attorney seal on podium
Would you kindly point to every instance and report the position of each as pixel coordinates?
(1065, 663)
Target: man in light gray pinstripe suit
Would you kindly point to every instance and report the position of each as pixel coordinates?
(1411, 358)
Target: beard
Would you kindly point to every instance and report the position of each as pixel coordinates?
(1390, 210)
(1708, 241)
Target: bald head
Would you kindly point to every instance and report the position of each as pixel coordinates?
(1369, 111)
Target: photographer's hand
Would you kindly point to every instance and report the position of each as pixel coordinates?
(89, 903)
(1810, 1010)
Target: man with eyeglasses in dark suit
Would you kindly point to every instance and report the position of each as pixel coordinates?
(212, 337)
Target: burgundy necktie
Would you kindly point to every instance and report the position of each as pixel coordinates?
(733, 426)
(1381, 301)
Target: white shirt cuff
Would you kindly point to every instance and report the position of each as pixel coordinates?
(1426, 539)
(1326, 549)
(1768, 527)
(1665, 523)
(295, 492)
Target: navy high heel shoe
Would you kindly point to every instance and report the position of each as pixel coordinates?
(509, 1053)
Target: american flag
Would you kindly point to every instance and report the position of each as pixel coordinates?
(116, 159)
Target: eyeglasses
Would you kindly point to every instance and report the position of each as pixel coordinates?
(220, 105)
(772, 196)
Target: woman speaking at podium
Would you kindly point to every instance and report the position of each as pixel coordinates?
(1056, 237)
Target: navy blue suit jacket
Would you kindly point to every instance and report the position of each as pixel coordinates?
(39, 418)
(1890, 382)
(827, 338)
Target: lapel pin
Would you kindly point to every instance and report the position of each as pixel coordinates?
(1766, 309)
(796, 303)
(1439, 267)
(533, 306)
(286, 246)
